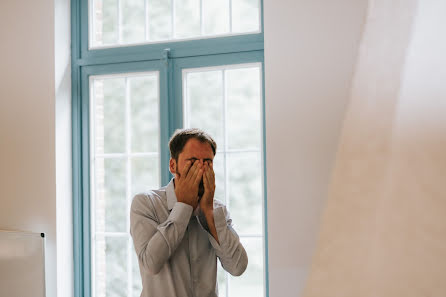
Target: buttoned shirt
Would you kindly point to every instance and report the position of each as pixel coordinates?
(177, 255)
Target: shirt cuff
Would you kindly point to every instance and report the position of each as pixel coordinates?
(220, 226)
(181, 213)
(219, 219)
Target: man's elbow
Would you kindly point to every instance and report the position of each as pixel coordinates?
(241, 265)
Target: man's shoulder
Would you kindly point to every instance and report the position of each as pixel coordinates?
(150, 200)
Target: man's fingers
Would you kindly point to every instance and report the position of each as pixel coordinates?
(192, 170)
(211, 173)
(205, 182)
(197, 173)
(210, 176)
(186, 168)
(207, 179)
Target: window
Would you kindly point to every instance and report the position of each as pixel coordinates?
(141, 69)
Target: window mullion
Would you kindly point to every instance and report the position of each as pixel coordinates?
(230, 15)
(119, 21)
(173, 18)
(225, 137)
(128, 139)
(146, 20)
(201, 18)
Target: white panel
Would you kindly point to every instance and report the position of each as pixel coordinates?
(22, 264)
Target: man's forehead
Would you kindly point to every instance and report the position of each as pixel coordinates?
(196, 149)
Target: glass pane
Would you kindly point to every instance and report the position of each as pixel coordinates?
(145, 174)
(111, 267)
(250, 283)
(221, 280)
(205, 103)
(243, 108)
(105, 22)
(245, 15)
(133, 21)
(219, 177)
(109, 96)
(144, 105)
(137, 284)
(187, 18)
(245, 192)
(110, 196)
(216, 17)
(160, 19)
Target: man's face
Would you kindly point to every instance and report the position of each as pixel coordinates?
(193, 150)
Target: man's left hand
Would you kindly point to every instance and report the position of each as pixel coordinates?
(207, 200)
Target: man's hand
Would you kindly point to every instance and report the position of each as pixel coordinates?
(186, 184)
(207, 201)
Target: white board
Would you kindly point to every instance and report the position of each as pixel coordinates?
(22, 264)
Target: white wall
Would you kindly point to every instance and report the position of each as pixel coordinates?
(27, 171)
(310, 52)
(28, 88)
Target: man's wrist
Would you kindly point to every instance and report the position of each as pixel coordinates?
(208, 210)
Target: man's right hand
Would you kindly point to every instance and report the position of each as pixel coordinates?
(186, 183)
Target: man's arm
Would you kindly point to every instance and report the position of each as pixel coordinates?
(155, 243)
(228, 248)
(222, 236)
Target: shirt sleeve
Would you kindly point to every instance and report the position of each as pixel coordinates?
(230, 251)
(155, 242)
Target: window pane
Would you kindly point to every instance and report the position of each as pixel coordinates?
(145, 174)
(219, 170)
(187, 18)
(109, 98)
(205, 102)
(110, 195)
(111, 267)
(146, 21)
(226, 101)
(125, 154)
(243, 108)
(133, 21)
(144, 104)
(106, 22)
(245, 192)
(250, 283)
(245, 15)
(160, 19)
(216, 17)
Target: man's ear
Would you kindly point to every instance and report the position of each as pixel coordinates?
(172, 166)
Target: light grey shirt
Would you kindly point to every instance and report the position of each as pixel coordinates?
(177, 255)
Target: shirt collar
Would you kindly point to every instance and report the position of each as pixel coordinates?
(171, 196)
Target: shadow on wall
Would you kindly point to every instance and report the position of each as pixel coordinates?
(383, 228)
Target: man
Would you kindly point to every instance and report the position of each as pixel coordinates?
(179, 230)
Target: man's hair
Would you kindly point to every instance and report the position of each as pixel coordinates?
(181, 136)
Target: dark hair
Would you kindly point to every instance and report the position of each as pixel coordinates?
(181, 136)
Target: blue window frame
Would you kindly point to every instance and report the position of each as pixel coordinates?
(169, 59)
